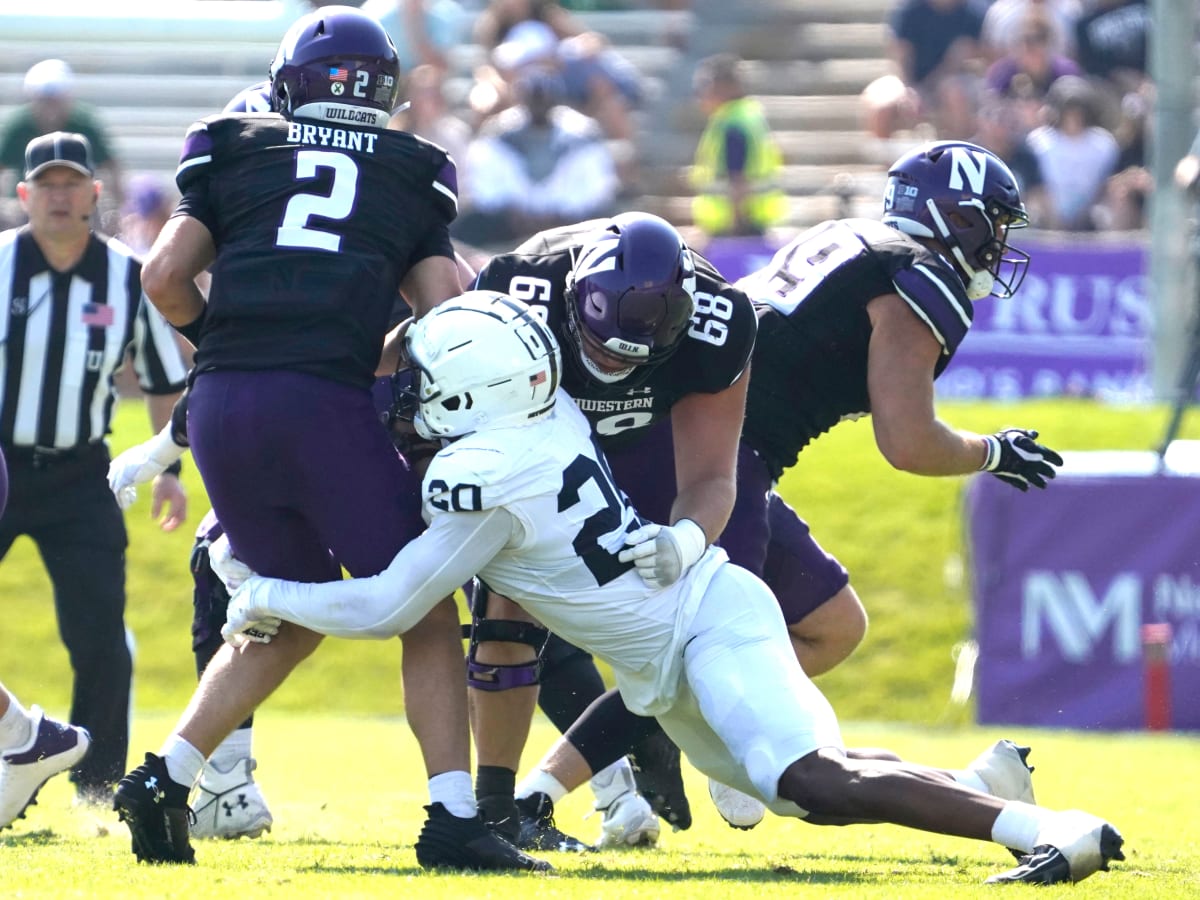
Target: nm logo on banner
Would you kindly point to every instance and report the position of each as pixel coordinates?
(1062, 606)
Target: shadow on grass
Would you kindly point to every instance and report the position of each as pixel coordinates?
(43, 837)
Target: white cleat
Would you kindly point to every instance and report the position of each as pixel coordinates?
(1003, 768)
(1071, 846)
(740, 810)
(229, 804)
(52, 747)
(628, 822)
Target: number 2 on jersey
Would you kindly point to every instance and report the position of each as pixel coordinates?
(295, 231)
(603, 565)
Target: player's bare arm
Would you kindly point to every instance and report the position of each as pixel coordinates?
(900, 370)
(707, 428)
(183, 250)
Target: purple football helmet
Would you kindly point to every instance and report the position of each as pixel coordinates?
(966, 199)
(630, 295)
(337, 65)
(254, 99)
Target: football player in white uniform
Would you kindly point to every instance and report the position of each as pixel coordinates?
(521, 496)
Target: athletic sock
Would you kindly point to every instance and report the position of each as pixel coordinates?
(539, 781)
(453, 791)
(232, 750)
(16, 726)
(184, 762)
(1018, 825)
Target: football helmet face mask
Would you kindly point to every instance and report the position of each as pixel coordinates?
(336, 65)
(964, 198)
(630, 296)
(481, 360)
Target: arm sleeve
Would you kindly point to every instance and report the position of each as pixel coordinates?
(454, 548)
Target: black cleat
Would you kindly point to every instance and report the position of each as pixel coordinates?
(450, 842)
(155, 809)
(500, 813)
(1049, 865)
(538, 831)
(660, 780)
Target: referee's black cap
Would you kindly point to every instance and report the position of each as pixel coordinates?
(59, 148)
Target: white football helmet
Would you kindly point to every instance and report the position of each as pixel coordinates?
(482, 360)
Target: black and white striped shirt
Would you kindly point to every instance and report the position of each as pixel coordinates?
(63, 334)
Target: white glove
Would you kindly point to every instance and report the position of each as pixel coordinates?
(140, 464)
(662, 554)
(231, 570)
(248, 617)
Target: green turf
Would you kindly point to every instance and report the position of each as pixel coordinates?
(346, 796)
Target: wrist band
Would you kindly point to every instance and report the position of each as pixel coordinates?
(174, 468)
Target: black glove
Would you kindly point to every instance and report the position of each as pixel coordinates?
(1015, 457)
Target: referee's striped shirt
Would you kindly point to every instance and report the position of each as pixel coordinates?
(62, 335)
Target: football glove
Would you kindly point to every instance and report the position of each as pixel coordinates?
(1015, 457)
(247, 618)
(663, 554)
(231, 570)
(140, 464)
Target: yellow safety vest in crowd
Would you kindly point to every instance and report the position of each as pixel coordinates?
(712, 210)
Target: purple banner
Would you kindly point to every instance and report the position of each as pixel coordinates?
(1063, 582)
(1079, 325)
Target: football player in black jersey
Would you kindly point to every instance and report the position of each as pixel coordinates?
(311, 218)
(651, 332)
(855, 317)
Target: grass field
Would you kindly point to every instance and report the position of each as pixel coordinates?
(346, 792)
(346, 798)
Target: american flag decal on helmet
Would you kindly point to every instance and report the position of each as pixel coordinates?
(338, 74)
(539, 378)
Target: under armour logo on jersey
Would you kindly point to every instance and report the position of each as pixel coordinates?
(971, 164)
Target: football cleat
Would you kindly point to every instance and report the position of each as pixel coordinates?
(538, 831)
(450, 842)
(1005, 769)
(628, 821)
(156, 811)
(229, 804)
(1072, 846)
(740, 810)
(660, 780)
(53, 747)
(500, 813)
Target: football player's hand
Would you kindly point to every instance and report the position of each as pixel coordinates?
(248, 617)
(169, 495)
(663, 554)
(231, 570)
(1015, 457)
(140, 464)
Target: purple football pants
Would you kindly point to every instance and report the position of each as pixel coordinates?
(300, 473)
(764, 534)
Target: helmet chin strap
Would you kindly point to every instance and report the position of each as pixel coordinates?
(600, 374)
(979, 282)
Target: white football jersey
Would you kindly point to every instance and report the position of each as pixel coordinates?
(561, 563)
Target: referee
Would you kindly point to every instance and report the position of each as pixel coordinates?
(71, 306)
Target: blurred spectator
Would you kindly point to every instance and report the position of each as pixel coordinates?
(936, 50)
(1002, 23)
(147, 207)
(422, 30)
(51, 106)
(427, 115)
(1032, 65)
(999, 128)
(536, 165)
(737, 161)
(1075, 153)
(597, 80)
(1111, 37)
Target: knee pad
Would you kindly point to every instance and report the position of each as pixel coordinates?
(489, 677)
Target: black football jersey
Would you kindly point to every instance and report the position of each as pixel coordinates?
(315, 226)
(712, 355)
(810, 362)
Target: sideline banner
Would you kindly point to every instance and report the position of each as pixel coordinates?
(1064, 580)
(1079, 326)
